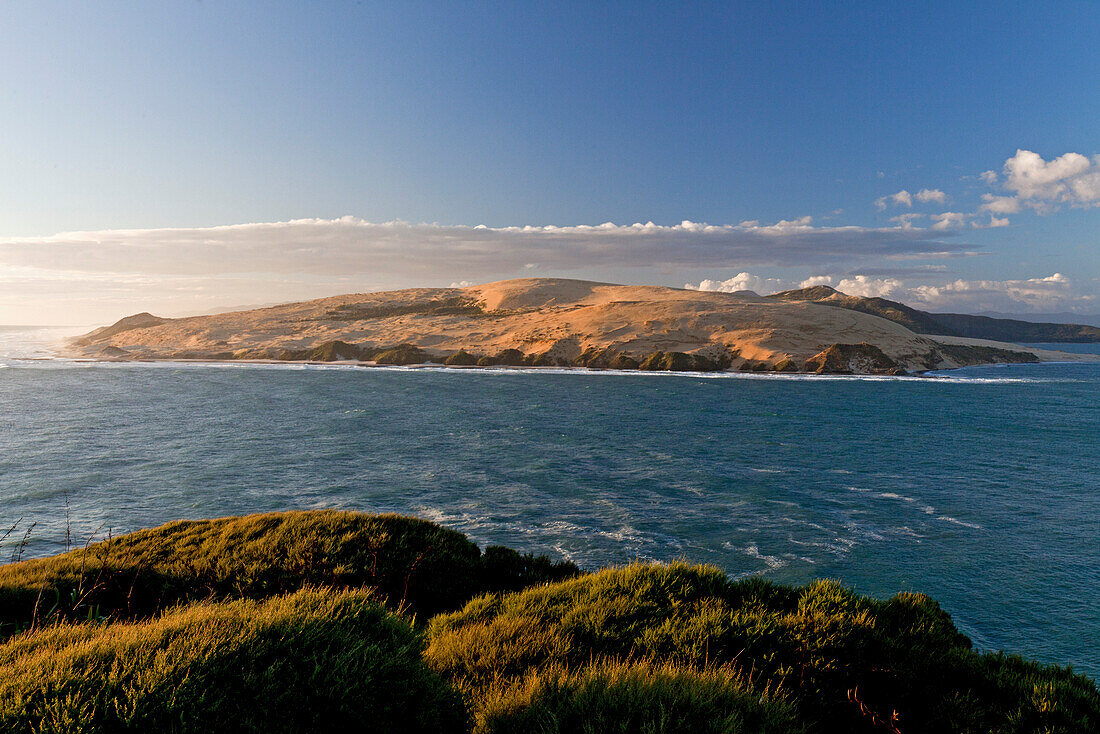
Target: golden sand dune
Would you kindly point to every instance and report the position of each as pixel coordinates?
(548, 320)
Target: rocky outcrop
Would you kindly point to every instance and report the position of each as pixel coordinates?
(852, 359)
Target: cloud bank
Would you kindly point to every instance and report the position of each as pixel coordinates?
(432, 251)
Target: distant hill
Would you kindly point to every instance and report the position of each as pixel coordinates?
(1059, 317)
(1013, 330)
(547, 322)
(918, 322)
(946, 324)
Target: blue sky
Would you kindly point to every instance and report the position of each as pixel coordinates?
(168, 119)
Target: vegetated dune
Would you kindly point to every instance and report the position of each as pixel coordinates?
(947, 324)
(149, 631)
(548, 322)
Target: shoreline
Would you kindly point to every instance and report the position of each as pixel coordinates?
(923, 375)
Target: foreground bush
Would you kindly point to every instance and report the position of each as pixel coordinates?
(410, 562)
(311, 661)
(633, 698)
(849, 663)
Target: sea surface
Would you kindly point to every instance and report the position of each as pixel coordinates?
(979, 486)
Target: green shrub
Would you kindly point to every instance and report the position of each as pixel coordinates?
(462, 358)
(409, 561)
(632, 698)
(311, 661)
(402, 354)
(682, 362)
(623, 362)
(848, 661)
(331, 351)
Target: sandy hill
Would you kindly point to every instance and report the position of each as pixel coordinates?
(547, 321)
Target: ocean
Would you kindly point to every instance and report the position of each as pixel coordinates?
(980, 487)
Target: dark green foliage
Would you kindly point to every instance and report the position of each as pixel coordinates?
(848, 662)
(595, 358)
(785, 365)
(462, 358)
(646, 648)
(401, 354)
(681, 362)
(313, 661)
(623, 362)
(546, 359)
(409, 561)
(633, 698)
(332, 351)
(452, 306)
(507, 357)
(979, 354)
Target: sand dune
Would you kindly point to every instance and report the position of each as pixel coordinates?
(556, 319)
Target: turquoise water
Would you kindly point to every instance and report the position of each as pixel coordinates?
(980, 489)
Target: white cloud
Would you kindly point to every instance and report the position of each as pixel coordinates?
(1000, 204)
(857, 285)
(989, 177)
(905, 221)
(350, 246)
(1042, 185)
(948, 220)
(742, 282)
(926, 195)
(1051, 293)
(901, 198)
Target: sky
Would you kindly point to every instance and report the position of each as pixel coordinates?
(187, 157)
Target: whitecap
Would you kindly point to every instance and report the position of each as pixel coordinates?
(956, 521)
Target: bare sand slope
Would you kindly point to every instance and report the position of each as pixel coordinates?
(561, 319)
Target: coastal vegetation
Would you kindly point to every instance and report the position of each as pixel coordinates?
(297, 621)
(302, 662)
(946, 324)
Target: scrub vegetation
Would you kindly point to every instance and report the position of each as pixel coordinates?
(305, 620)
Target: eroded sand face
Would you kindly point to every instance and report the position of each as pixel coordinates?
(534, 315)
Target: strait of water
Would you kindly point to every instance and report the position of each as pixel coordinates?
(980, 488)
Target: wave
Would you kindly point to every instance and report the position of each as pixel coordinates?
(956, 521)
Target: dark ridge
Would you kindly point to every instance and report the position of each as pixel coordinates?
(1012, 330)
(977, 354)
(918, 322)
(947, 324)
(813, 293)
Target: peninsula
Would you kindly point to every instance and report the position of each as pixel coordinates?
(551, 322)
